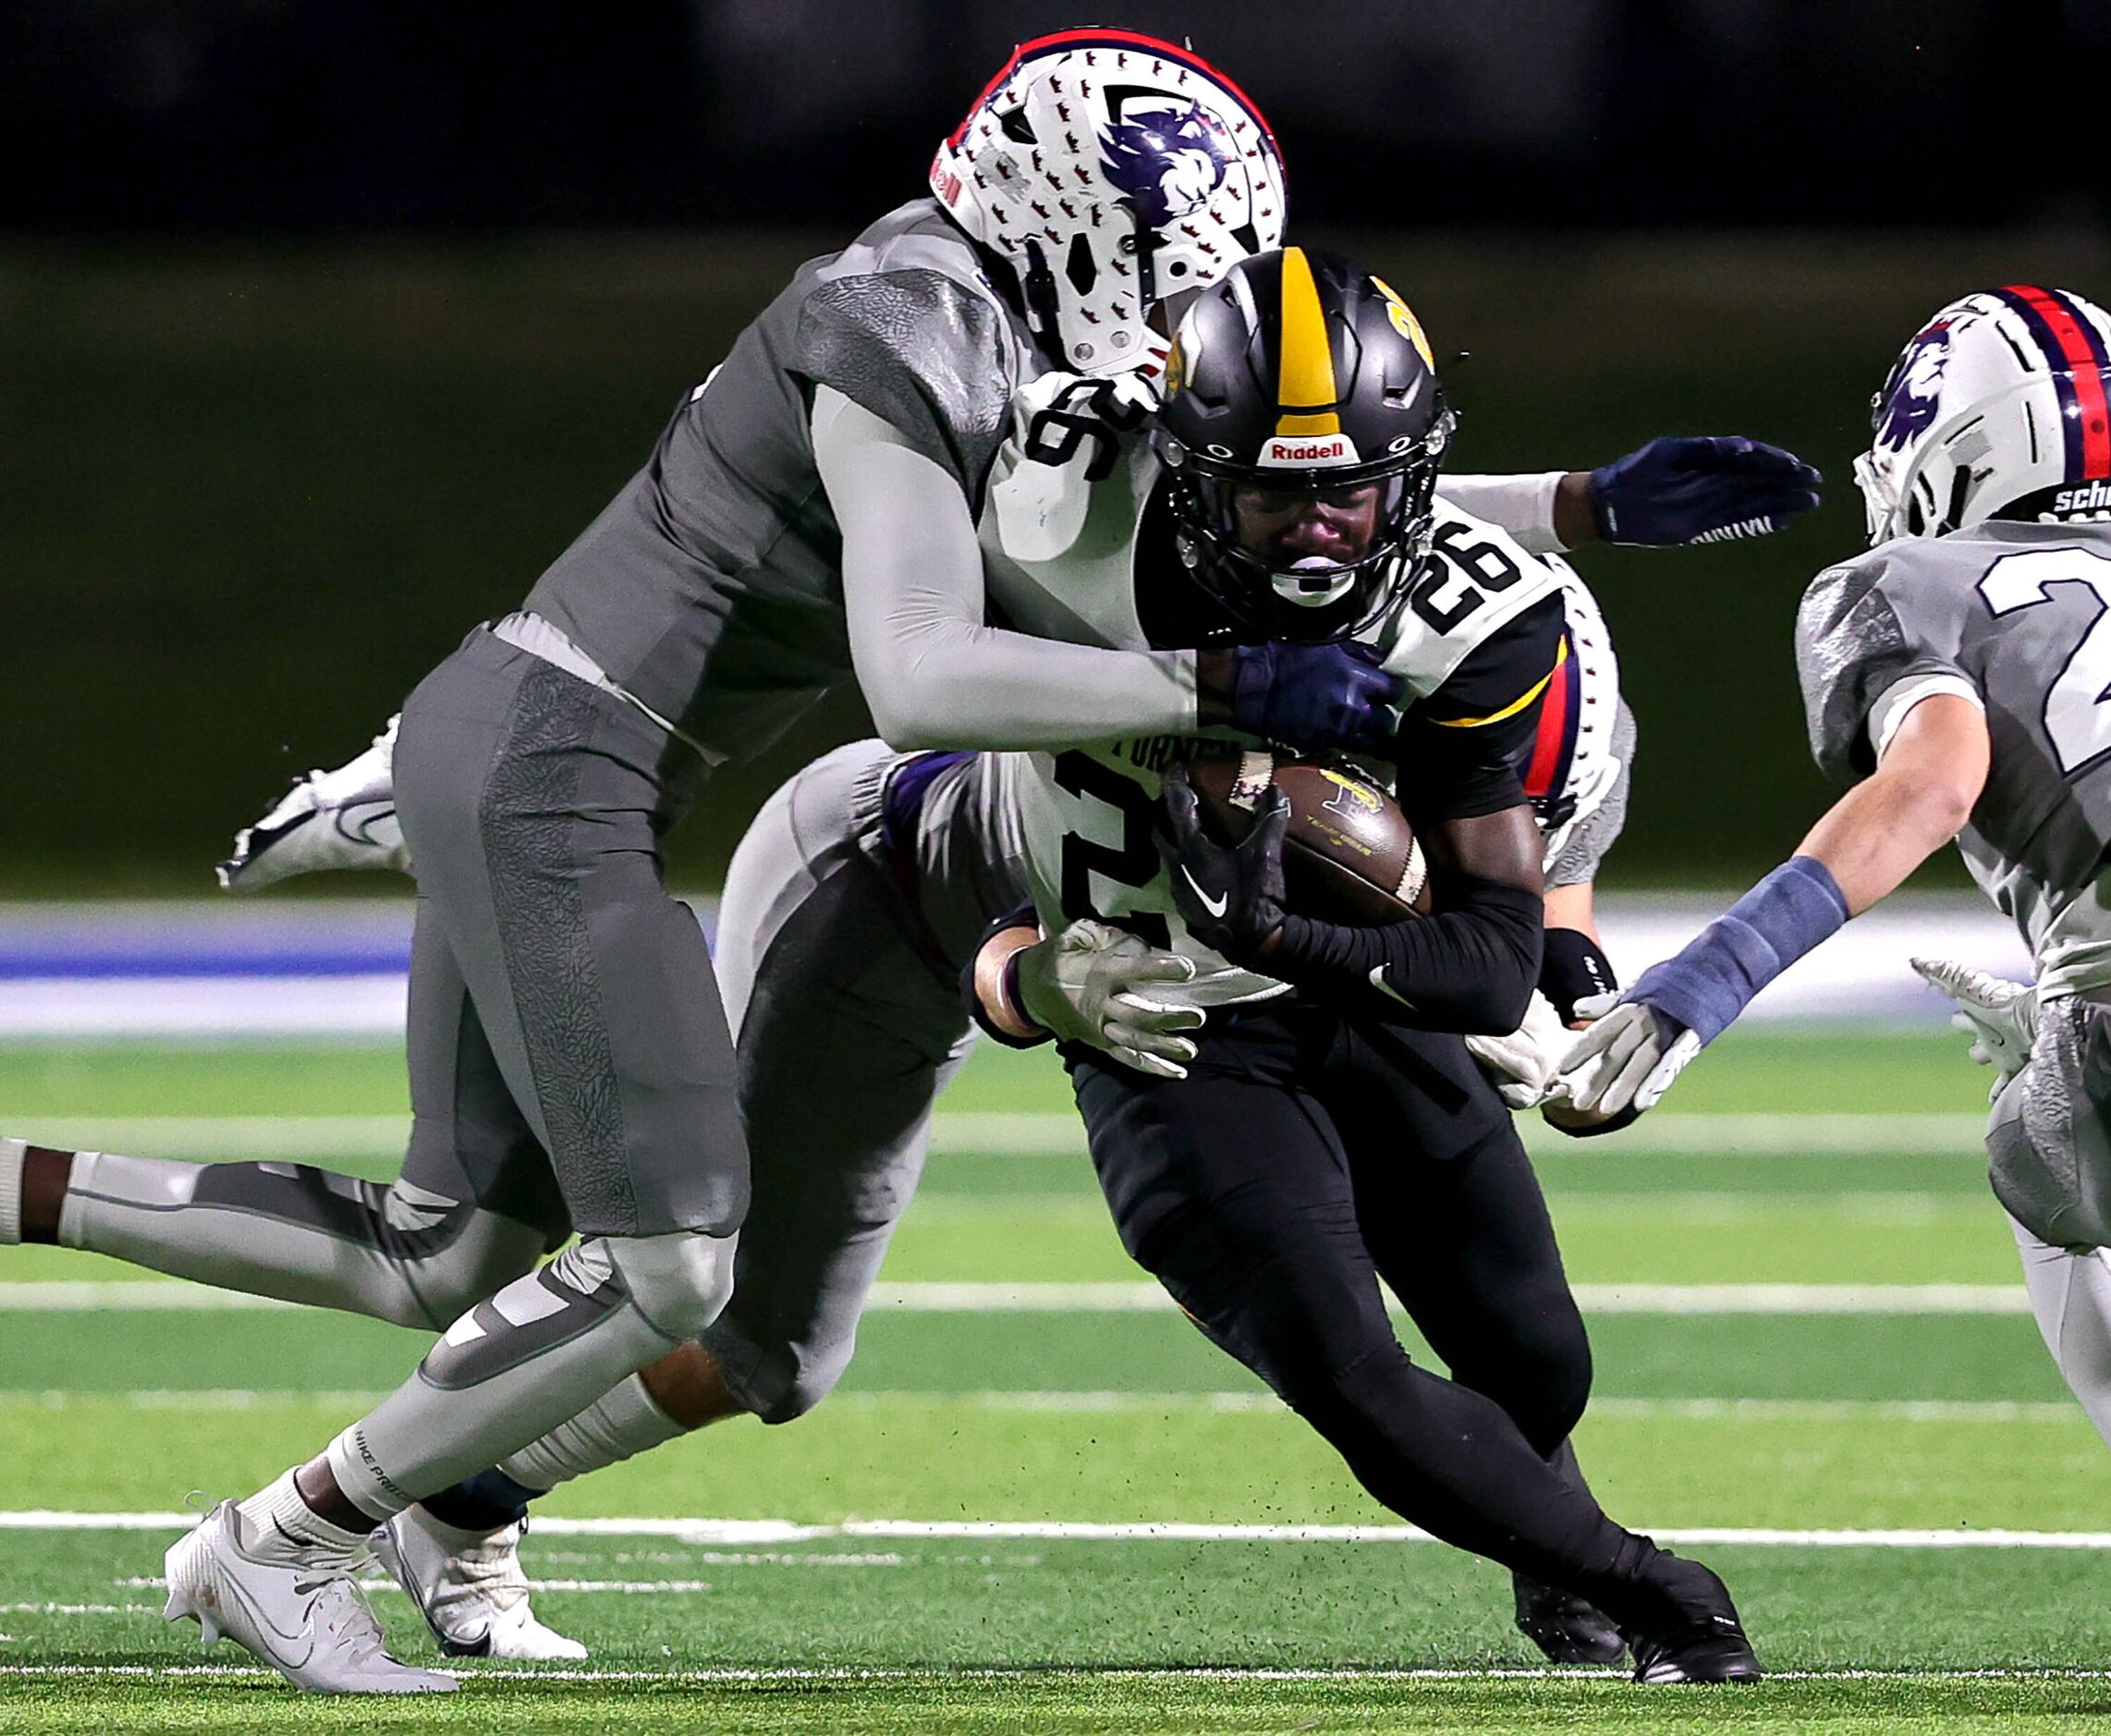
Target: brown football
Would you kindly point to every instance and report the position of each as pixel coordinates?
(1349, 856)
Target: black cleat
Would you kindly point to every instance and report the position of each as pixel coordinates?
(1697, 1637)
(1568, 1628)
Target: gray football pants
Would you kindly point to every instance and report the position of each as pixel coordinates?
(846, 1035)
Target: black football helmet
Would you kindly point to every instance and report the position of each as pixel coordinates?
(1302, 426)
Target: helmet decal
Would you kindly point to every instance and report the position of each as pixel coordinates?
(1110, 171)
(2074, 354)
(1304, 379)
(1166, 159)
(1907, 403)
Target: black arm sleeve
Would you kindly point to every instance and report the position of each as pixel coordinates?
(1471, 966)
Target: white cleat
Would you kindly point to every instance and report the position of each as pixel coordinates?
(340, 819)
(469, 1587)
(313, 1625)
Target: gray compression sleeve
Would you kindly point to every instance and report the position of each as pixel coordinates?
(1522, 504)
(934, 674)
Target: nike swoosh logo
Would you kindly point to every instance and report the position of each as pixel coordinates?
(356, 819)
(1378, 982)
(1216, 907)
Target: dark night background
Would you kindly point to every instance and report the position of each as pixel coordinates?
(323, 326)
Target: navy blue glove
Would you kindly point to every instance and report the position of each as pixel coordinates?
(1230, 899)
(1310, 697)
(1710, 488)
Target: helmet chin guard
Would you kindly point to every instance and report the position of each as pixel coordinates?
(1111, 171)
(1996, 408)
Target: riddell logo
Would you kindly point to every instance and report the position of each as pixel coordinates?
(1333, 449)
(2090, 497)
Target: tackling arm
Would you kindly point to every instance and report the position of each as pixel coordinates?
(1928, 779)
(936, 675)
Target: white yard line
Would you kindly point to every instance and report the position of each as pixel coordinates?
(1048, 1134)
(767, 1531)
(494, 1676)
(1131, 1296)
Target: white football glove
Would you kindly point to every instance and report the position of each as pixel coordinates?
(1522, 1066)
(1620, 1068)
(2000, 1017)
(1090, 983)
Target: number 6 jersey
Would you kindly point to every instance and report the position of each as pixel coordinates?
(1078, 545)
(2014, 617)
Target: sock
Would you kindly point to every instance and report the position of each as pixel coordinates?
(13, 1153)
(619, 1424)
(278, 1526)
(489, 1501)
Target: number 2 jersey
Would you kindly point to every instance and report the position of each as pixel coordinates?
(1078, 545)
(2017, 619)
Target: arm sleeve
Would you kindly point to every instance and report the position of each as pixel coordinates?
(1471, 966)
(1522, 504)
(933, 673)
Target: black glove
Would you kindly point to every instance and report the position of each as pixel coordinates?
(1230, 899)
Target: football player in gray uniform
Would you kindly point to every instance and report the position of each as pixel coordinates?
(808, 511)
(1956, 676)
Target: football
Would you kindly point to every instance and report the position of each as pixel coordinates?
(1349, 856)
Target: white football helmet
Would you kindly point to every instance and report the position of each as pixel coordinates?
(1111, 171)
(1998, 405)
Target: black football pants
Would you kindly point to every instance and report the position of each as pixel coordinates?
(1298, 1163)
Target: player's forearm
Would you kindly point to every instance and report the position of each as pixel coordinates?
(1469, 968)
(934, 674)
(1535, 508)
(938, 682)
(1918, 798)
(1881, 831)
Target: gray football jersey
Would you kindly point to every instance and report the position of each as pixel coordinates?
(710, 588)
(2021, 616)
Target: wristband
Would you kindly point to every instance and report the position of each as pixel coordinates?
(972, 1002)
(1704, 987)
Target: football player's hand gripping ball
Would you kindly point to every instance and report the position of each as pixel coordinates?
(1620, 1068)
(1231, 897)
(1711, 488)
(1091, 983)
(2000, 1017)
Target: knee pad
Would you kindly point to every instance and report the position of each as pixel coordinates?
(680, 1282)
(2048, 1149)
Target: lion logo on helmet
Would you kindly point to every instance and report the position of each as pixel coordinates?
(1166, 158)
(1907, 404)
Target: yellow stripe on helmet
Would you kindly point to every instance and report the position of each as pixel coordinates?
(1304, 373)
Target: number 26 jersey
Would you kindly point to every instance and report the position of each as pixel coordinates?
(1078, 545)
(2014, 617)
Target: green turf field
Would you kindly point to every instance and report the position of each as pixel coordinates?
(1041, 1502)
